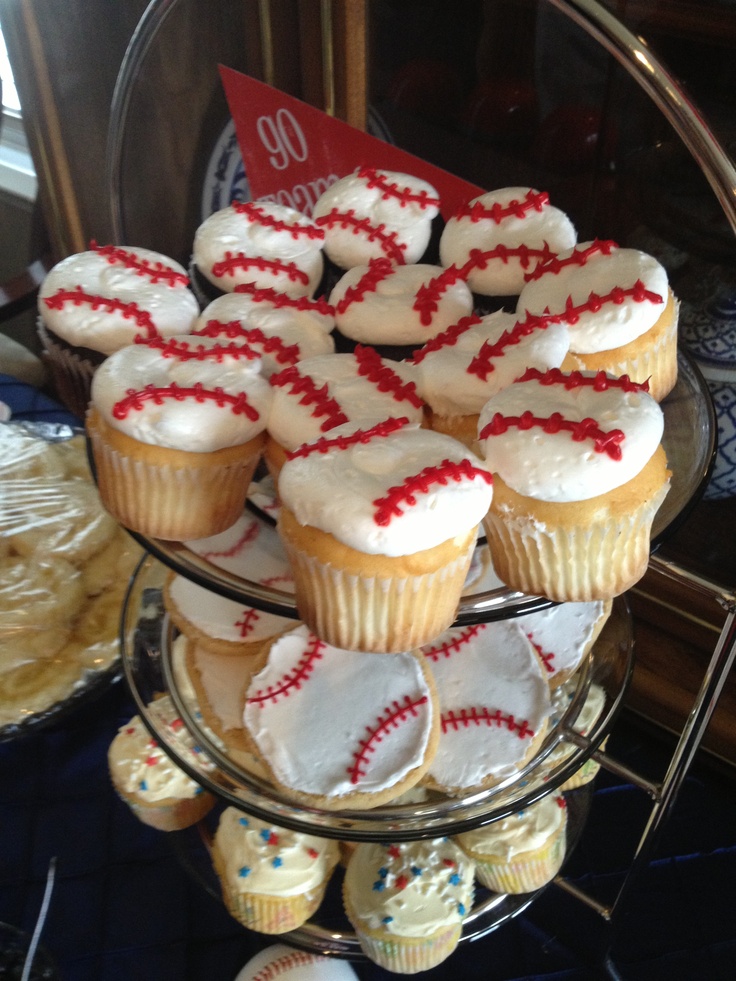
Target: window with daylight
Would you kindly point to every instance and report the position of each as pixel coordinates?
(17, 174)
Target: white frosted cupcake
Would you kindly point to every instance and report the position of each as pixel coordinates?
(177, 429)
(579, 473)
(621, 312)
(407, 901)
(272, 879)
(522, 852)
(461, 368)
(379, 526)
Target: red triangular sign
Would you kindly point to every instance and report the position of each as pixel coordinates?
(292, 152)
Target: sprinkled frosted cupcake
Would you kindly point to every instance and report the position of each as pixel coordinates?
(379, 526)
(272, 879)
(156, 789)
(407, 901)
(177, 429)
(522, 852)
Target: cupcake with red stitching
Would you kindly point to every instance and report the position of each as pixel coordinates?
(579, 474)
(499, 237)
(258, 242)
(521, 852)
(397, 308)
(407, 901)
(93, 303)
(282, 329)
(379, 526)
(619, 307)
(375, 213)
(177, 428)
(349, 390)
(461, 368)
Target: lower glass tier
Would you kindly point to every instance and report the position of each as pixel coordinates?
(147, 642)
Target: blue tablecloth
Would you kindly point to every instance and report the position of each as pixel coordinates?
(125, 906)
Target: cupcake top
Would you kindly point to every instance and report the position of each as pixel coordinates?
(525, 831)
(410, 888)
(499, 237)
(461, 368)
(393, 489)
(143, 768)
(608, 296)
(332, 723)
(562, 635)
(376, 213)
(383, 303)
(109, 297)
(494, 703)
(559, 436)
(192, 393)
(269, 245)
(222, 618)
(352, 391)
(266, 859)
(281, 333)
(250, 549)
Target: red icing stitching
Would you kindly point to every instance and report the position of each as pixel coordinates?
(249, 535)
(319, 397)
(238, 260)
(266, 294)
(294, 678)
(454, 643)
(389, 507)
(480, 258)
(372, 367)
(287, 354)
(260, 217)
(374, 233)
(248, 621)
(393, 716)
(182, 351)
(393, 190)
(447, 337)
(578, 257)
(547, 657)
(482, 364)
(603, 442)
(463, 718)
(285, 963)
(477, 211)
(599, 382)
(429, 294)
(134, 400)
(77, 296)
(638, 293)
(156, 271)
(323, 445)
(378, 270)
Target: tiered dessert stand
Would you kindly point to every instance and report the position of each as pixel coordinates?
(689, 440)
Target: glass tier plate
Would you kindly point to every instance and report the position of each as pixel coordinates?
(689, 441)
(329, 931)
(151, 668)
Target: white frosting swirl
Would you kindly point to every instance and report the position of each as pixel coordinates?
(410, 888)
(373, 213)
(524, 831)
(390, 304)
(266, 859)
(554, 466)
(468, 364)
(228, 376)
(412, 470)
(105, 298)
(494, 702)
(142, 767)
(617, 294)
(331, 722)
(230, 243)
(356, 391)
(516, 226)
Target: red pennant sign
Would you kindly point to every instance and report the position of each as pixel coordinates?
(292, 152)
